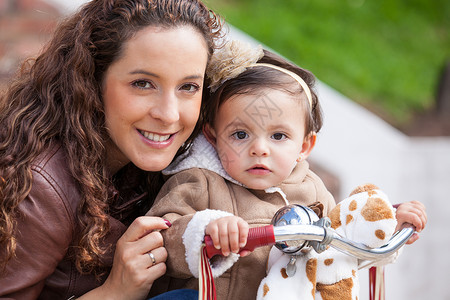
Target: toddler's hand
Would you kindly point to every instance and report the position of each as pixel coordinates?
(414, 213)
(228, 233)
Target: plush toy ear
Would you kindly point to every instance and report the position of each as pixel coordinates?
(317, 207)
(209, 134)
(363, 188)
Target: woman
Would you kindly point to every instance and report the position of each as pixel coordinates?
(84, 132)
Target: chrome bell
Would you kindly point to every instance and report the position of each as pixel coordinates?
(293, 214)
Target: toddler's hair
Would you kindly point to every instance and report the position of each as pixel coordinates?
(254, 80)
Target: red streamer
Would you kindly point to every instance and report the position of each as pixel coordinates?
(207, 289)
(376, 283)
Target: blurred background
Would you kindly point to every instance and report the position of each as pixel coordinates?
(383, 70)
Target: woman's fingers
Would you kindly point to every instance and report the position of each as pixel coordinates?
(149, 242)
(141, 237)
(142, 226)
(139, 258)
(155, 262)
(156, 256)
(155, 272)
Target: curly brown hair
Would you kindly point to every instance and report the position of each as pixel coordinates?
(56, 97)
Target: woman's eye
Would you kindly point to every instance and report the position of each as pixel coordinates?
(189, 87)
(278, 136)
(240, 135)
(143, 84)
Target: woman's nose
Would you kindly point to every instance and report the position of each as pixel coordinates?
(166, 109)
(259, 147)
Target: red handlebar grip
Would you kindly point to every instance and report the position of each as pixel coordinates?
(257, 237)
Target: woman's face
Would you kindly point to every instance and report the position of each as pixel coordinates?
(152, 96)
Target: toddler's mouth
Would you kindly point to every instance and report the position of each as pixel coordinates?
(259, 170)
(259, 167)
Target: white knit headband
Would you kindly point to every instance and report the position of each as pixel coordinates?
(293, 75)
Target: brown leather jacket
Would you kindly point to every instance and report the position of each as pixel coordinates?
(43, 267)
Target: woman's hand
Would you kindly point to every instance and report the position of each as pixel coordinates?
(414, 213)
(228, 234)
(134, 270)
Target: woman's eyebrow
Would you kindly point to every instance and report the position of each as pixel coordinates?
(144, 72)
(139, 71)
(194, 77)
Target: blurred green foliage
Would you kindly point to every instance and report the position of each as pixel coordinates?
(384, 54)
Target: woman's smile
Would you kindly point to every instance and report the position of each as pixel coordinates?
(157, 141)
(154, 137)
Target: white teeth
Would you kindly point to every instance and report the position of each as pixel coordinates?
(155, 137)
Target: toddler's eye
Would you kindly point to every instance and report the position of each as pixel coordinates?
(240, 135)
(278, 136)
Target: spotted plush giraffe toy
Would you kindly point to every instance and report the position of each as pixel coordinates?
(367, 217)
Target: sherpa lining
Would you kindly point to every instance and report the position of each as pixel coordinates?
(193, 240)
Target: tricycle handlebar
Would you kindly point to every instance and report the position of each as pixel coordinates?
(269, 235)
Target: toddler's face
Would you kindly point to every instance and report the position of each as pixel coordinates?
(260, 137)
